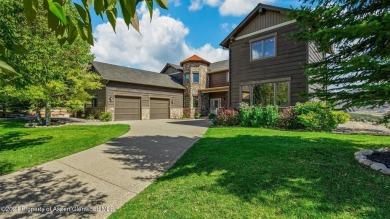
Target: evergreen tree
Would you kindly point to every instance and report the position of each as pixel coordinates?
(354, 37)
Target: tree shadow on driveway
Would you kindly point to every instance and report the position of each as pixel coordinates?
(47, 189)
(150, 154)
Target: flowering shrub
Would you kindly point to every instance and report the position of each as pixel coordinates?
(258, 116)
(288, 119)
(227, 117)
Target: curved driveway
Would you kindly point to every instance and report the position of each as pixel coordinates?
(97, 181)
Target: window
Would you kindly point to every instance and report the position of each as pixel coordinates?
(195, 77)
(94, 101)
(266, 93)
(186, 102)
(195, 101)
(186, 78)
(263, 48)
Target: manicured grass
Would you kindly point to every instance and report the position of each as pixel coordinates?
(261, 173)
(26, 147)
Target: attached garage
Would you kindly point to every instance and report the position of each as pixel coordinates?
(127, 108)
(159, 108)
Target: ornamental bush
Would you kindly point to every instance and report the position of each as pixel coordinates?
(316, 116)
(227, 117)
(105, 117)
(258, 116)
(288, 119)
(341, 117)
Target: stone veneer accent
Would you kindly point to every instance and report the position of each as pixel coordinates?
(361, 157)
(192, 89)
(145, 114)
(176, 113)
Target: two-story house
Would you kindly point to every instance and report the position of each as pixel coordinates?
(265, 67)
(266, 64)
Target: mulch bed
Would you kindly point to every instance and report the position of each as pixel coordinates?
(381, 157)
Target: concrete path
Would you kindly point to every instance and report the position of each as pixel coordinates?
(95, 182)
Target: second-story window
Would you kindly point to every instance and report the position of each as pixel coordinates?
(195, 77)
(263, 48)
(186, 78)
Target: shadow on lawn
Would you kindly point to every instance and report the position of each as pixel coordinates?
(288, 172)
(43, 188)
(17, 140)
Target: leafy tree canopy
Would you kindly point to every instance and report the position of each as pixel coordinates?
(355, 72)
(47, 74)
(68, 25)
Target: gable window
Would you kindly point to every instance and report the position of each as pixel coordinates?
(186, 102)
(186, 78)
(274, 93)
(195, 77)
(195, 101)
(263, 48)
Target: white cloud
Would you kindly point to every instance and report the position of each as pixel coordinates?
(195, 5)
(239, 7)
(228, 7)
(160, 41)
(228, 27)
(176, 3)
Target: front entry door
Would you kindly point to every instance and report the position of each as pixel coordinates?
(215, 104)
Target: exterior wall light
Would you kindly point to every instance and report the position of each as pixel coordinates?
(110, 99)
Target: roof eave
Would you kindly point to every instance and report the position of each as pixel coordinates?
(226, 42)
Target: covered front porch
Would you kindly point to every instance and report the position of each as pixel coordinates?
(213, 99)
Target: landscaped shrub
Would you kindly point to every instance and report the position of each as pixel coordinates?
(90, 117)
(227, 117)
(270, 116)
(258, 116)
(342, 117)
(105, 117)
(315, 116)
(245, 115)
(288, 119)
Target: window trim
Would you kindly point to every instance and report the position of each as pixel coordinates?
(185, 101)
(193, 77)
(252, 83)
(262, 38)
(185, 79)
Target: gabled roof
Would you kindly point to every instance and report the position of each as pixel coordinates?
(259, 8)
(177, 67)
(194, 58)
(135, 76)
(219, 66)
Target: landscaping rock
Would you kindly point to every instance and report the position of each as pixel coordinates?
(367, 152)
(360, 156)
(357, 153)
(386, 171)
(378, 166)
(366, 162)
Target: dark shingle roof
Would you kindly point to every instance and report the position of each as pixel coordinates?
(135, 76)
(219, 66)
(177, 67)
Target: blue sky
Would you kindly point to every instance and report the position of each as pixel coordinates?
(188, 27)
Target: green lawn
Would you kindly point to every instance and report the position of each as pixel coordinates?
(261, 173)
(25, 147)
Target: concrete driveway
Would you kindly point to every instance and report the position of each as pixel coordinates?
(95, 182)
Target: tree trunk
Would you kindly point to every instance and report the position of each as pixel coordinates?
(47, 114)
(38, 112)
(3, 109)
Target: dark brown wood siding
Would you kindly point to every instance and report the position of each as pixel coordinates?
(144, 92)
(262, 21)
(217, 79)
(290, 56)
